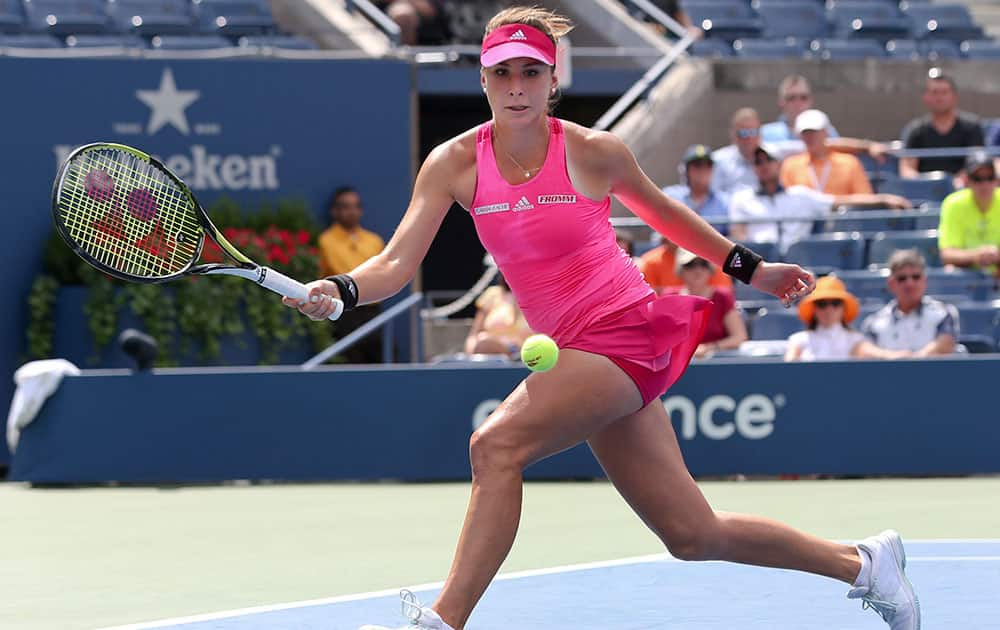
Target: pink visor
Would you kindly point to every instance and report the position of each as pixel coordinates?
(517, 40)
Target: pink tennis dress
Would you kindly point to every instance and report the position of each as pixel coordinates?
(557, 250)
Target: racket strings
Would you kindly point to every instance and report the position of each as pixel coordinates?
(129, 216)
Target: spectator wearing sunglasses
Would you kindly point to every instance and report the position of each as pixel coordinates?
(794, 97)
(969, 230)
(827, 313)
(912, 324)
(725, 329)
(733, 164)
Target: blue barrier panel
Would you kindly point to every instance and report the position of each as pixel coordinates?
(905, 417)
(250, 129)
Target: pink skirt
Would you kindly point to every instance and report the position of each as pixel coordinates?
(652, 341)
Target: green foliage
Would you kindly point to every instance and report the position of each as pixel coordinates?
(193, 316)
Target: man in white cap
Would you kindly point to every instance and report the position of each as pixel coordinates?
(821, 169)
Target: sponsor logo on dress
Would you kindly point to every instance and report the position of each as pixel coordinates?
(519, 34)
(550, 199)
(490, 209)
(523, 204)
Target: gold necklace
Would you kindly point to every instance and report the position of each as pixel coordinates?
(527, 171)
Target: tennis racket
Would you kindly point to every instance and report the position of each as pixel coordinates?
(125, 213)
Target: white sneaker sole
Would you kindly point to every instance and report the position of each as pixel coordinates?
(899, 554)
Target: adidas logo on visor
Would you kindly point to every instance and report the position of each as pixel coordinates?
(519, 34)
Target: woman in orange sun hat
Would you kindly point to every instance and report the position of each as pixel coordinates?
(827, 313)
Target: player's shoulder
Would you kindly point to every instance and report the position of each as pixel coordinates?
(592, 144)
(456, 151)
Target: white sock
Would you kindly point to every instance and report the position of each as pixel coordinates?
(865, 574)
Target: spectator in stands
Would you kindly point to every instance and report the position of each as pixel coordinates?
(499, 327)
(659, 267)
(820, 168)
(794, 97)
(944, 127)
(674, 9)
(421, 22)
(733, 164)
(912, 324)
(827, 313)
(342, 247)
(725, 329)
(969, 230)
(770, 200)
(696, 190)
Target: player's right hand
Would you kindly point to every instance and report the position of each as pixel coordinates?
(319, 303)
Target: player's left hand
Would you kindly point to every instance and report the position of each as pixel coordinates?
(786, 282)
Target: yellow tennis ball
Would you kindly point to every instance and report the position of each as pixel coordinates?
(539, 353)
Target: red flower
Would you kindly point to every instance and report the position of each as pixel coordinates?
(303, 237)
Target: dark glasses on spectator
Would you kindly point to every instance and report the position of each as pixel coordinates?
(798, 97)
(828, 303)
(979, 179)
(904, 277)
(747, 133)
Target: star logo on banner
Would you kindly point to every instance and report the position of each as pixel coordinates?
(167, 104)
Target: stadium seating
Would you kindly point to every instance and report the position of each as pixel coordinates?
(769, 48)
(11, 16)
(802, 19)
(777, 323)
(981, 49)
(870, 20)
(287, 42)
(941, 21)
(861, 221)
(841, 49)
(724, 19)
(189, 42)
(234, 18)
(711, 48)
(30, 41)
(825, 252)
(928, 188)
(884, 243)
(930, 49)
(63, 17)
(153, 17)
(105, 41)
(979, 322)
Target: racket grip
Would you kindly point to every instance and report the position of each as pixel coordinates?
(282, 284)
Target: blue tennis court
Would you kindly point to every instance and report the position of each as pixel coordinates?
(957, 582)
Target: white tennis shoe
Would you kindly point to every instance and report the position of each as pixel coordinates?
(421, 617)
(888, 591)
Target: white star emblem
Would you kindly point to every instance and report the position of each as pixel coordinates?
(167, 104)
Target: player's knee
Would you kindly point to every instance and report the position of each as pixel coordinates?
(491, 452)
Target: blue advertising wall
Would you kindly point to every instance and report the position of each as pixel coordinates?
(896, 418)
(250, 129)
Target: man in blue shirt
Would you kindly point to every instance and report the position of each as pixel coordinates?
(696, 192)
(794, 97)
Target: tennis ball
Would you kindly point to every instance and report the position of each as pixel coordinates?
(539, 353)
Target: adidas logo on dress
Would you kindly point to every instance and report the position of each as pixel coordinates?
(519, 34)
(523, 204)
(737, 263)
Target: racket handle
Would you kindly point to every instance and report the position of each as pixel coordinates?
(280, 283)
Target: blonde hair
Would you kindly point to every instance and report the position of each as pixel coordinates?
(549, 22)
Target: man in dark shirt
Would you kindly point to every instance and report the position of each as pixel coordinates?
(945, 126)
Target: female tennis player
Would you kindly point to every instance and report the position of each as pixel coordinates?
(538, 191)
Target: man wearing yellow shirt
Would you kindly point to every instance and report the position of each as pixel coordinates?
(342, 247)
(969, 232)
(345, 244)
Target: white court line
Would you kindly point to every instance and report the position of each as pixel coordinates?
(660, 557)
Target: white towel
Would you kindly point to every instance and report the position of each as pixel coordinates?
(36, 380)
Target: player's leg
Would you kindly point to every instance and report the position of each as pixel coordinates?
(642, 458)
(547, 413)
